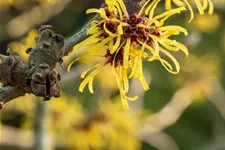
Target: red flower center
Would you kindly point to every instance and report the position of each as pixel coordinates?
(117, 57)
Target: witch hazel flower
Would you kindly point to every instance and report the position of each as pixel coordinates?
(126, 40)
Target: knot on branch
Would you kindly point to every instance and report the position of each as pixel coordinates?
(38, 76)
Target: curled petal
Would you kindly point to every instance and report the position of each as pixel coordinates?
(191, 10)
(174, 45)
(120, 29)
(107, 31)
(117, 44)
(147, 47)
(165, 63)
(101, 11)
(173, 30)
(199, 6)
(183, 48)
(102, 43)
(143, 7)
(126, 53)
(125, 80)
(141, 77)
(149, 8)
(90, 85)
(151, 12)
(90, 40)
(211, 8)
(166, 15)
(94, 27)
(208, 4)
(134, 98)
(115, 6)
(168, 4)
(119, 80)
(178, 3)
(90, 77)
(123, 7)
(84, 73)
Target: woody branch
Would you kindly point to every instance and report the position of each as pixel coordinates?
(30, 78)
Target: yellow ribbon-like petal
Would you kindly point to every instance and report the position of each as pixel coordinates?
(173, 29)
(168, 4)
(123, 7)
(190, 9)
(143, 7)
(102, 43)
(126, 53)
(177, 65)
(84, 73)
(101, 11)
(166, 15)
(117, 44)
(90, 77)
(125, 80)
(199, 6)
(211, 8)
(113, 4)
(178, 3)
(149, 8)
(147, 47)
(120, 29)
(141, 76)
(151, 13)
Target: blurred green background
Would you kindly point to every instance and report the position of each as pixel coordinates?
(179, 112)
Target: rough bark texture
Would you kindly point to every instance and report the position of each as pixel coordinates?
(39, 76)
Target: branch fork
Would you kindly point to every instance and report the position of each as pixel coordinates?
(39, 76)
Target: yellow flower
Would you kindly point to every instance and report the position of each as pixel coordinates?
(127, 39)
(202, 23)
(106, 128)
(201, 5)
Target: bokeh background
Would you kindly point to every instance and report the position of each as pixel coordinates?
(179, 112)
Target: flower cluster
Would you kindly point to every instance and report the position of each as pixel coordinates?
(103, 130)
(202, 6)
(127, 39)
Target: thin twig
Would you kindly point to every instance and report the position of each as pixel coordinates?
(9, 93)
(78, 37)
